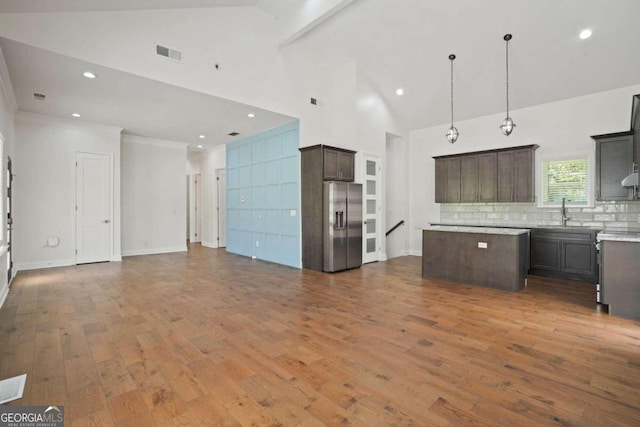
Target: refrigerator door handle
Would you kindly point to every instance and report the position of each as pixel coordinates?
(336, 225)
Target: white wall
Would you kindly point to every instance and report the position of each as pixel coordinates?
(396, 177)
(213, 160)
(154, 196)
(374, 121)
(45, 186)
(7, 111)
(559, 128)
(194, 162)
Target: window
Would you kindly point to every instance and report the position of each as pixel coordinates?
(568, 178)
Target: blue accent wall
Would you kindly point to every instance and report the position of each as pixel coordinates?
(263, 189)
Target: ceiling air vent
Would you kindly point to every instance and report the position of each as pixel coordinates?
(234, 134)
(39, 96)
(176, 55)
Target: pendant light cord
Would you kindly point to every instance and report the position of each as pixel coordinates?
(451, 60)
(507, 62)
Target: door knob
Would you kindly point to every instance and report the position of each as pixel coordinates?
(107, 221)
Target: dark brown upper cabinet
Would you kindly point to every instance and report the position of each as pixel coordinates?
(504, 175)
(338, 164)
(469, 178)
(614, 161)
(487, 177)
(516, 175)
(448, 180)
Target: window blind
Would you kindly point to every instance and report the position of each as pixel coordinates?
(565, 178)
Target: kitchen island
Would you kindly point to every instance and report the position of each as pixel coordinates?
(490, 257)
(620, 273)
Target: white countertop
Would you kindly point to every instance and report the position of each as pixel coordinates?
(621, 236)
(478, 230)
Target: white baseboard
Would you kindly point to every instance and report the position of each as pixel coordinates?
(415, 252)
(153, 251)
(116, 258)
(44, 264)
(209, 245)
(3, 294)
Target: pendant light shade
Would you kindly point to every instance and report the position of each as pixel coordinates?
(507, 124)
(452, 133)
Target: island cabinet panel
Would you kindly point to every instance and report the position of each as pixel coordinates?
(487, 177)
(567, 253)
(614, 161)
(503, 175)
(491, 260)
(469, 178)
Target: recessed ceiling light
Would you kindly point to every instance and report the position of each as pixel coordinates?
(399, 91)
(201, 137)
(89, 75)
(251, 115)
(200, 146)
(585, 34)
(75, 115)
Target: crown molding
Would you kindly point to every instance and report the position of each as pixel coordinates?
(136, 139)
(42, 119)
(5, 84)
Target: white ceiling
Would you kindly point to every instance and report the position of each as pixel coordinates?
(29, 6)
(407, 43)
(395, 44)
(141, 106)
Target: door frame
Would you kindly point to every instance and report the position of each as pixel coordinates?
(111, 204)
(218, 209)
(195, 208)
(364, 156)
(9, 218)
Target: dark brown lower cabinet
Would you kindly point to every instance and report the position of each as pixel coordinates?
(620, 277)
(568, 253)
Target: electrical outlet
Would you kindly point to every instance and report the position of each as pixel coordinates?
(482, 245)
(257, 243)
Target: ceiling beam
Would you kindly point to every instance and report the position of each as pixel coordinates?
(306, 16)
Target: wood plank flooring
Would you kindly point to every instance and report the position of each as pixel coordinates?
(208, 338)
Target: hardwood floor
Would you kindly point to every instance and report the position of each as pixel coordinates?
(210, 338)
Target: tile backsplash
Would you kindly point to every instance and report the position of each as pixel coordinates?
(624, 216)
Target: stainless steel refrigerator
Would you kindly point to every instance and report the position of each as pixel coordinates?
(342, 225)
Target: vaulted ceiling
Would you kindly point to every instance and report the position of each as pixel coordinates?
(395, 44)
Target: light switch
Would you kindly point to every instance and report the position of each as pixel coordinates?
(292, 212)
(482, 245)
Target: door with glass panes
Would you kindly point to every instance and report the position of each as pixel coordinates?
(371, 208)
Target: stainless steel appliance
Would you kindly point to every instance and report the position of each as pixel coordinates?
(342, 226)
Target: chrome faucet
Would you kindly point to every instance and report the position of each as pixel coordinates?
(563, 212)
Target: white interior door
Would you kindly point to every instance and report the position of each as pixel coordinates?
(94, 226)
(371, 209)
(221, 206)
(197, 226)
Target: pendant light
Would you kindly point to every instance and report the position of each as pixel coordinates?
(507, 125)
(452, 133)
